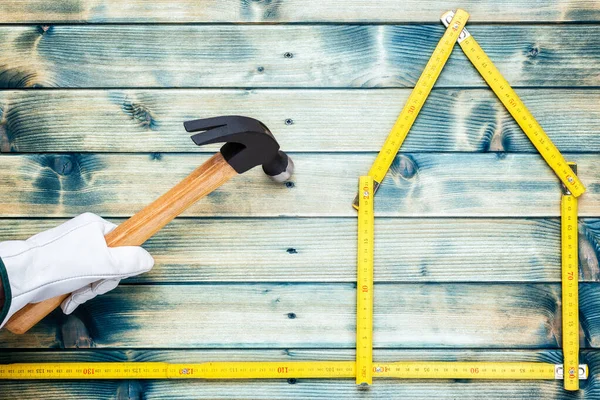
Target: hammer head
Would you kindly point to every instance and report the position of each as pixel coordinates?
(248, 143)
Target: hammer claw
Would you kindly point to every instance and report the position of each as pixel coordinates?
(205, 124)
(210, 135)
(248, 143)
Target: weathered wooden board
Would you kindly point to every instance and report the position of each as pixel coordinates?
(22, 11)
(302, 388)
(418, 184)
(302, 120)
(407, 250)
(286, 56)
(451, 315)
(282, 287)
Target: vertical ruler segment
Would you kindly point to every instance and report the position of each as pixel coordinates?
(517, 109)
(570, 289)
(417, 98)
(364, 283)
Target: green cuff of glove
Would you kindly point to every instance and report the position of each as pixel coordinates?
(7, 293)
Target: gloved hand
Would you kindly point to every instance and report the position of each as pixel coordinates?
(71, 258)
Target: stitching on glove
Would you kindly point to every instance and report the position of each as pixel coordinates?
(73, 295)
(37, 246)
(68, 303)
(99, 287)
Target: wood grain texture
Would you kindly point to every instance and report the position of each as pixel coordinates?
(288, 354)
(302, 388)
(516, 316)
(418, 184)
(21, 11)
(267, 270)
(321, 56)
(407, 250)
(302, 120)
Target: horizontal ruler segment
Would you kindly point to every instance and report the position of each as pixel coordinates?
(285, 370)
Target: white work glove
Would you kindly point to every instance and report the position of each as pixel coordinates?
(71, 258)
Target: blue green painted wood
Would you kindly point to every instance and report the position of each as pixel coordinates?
(302, 388)
(418, 185)
(298, 56)
(194, 250)
(453, 120)
(460, 261)
(317, 315)
(21, 11)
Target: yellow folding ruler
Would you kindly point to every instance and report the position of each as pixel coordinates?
(416, 100)
(284, 370)
(570, 289)
(517, 109)
(364, 282)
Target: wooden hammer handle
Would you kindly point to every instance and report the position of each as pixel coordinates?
(141, 226)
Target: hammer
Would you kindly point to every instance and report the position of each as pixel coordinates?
(248, 143)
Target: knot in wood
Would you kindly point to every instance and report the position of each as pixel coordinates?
(42, 29)
(533, 52)
(63, 165)
(404, 166)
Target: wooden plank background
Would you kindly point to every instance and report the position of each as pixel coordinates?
(299, 56)
(455, 120)
(182, 11)
(93, 94)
